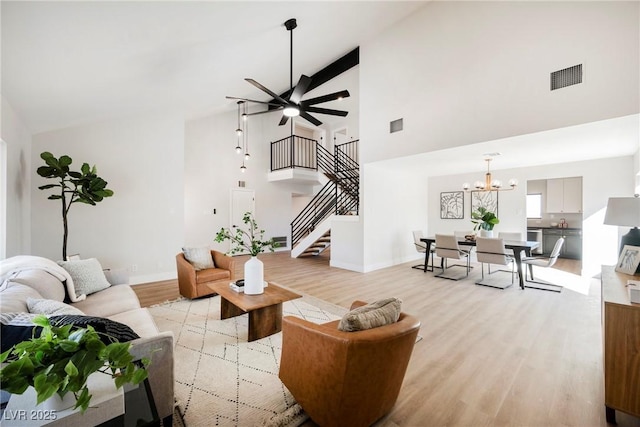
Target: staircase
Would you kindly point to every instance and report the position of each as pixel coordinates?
(311, 229)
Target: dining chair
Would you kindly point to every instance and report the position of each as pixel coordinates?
(492, 251)
(545, 263)
(447, 248)
(421, 247)
(509, 235)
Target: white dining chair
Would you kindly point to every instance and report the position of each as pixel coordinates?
(447, 248)
(509, 235)
(545, 263)
(421, 247)
(492, 251)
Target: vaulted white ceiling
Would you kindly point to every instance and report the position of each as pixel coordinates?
(69, 63)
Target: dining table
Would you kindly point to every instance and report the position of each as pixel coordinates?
(517, 246)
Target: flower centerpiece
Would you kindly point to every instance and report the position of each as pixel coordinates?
(248, 240)
(484, 220)
(58, 362)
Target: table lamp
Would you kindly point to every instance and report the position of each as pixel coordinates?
(625, 212)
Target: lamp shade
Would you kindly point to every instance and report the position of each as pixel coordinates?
(623, 211)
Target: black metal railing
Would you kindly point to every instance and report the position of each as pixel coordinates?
(294, 152)
(340, 196)
(349, 149)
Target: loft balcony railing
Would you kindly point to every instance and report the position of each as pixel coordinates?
(294, 152)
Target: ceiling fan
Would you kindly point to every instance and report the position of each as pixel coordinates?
(291, 103)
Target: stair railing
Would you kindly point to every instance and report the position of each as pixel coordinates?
(294, 152)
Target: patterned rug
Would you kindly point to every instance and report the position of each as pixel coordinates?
(223, 380)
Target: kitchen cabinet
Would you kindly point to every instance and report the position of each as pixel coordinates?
(621, 342)
(572, 247)
(564, 195)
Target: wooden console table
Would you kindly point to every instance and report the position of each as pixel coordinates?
(621, 334)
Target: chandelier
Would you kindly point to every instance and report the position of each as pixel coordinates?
(242, 132)
(490, 184)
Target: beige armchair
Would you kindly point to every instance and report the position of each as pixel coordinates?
(346, 378)
(193, 284)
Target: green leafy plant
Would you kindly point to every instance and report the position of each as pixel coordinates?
(484, 219)
(84, 186)
(250, 240)
(61, 359)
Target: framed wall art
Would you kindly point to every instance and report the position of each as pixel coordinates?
(452, 205)
(485, 199)
(628, 260)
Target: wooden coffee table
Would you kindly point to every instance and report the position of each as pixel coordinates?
(265, 310)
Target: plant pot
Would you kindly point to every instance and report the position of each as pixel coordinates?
(486, 233)
(253, 276)
(55, 402)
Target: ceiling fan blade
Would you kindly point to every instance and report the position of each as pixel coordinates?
(308, 117)
(264, 112)
(264, 89)
(326, 111)
(252, 100)
(300, 89)
(326, 98)
(283, 120)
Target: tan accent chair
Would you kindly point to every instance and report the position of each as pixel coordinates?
(346, 378)
(193, 284)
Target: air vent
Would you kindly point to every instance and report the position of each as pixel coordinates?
(395, 126)
(241, 184)
(567, 77)
(281, 241)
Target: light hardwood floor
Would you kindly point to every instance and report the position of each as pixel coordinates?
(488, 357)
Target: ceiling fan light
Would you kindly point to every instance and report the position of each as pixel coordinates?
(291, 111)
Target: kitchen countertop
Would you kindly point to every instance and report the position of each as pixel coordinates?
(552, 228)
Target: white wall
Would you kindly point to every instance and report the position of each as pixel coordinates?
(18, 183)
(212, 170)
(142, 224)
(467, 72)
(460, 73)
(394, 204)
(600, 242)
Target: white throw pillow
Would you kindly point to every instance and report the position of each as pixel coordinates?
(200, 258)
(87, 275)
(47, 285)
(49, 306)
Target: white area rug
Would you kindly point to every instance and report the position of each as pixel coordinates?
(223, 380)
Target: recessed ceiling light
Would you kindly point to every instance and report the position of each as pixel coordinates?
(494, 154)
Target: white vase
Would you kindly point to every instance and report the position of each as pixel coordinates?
(486, 233)
(253, 276)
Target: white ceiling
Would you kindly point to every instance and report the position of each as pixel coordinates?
(69, 63)
(76, 62)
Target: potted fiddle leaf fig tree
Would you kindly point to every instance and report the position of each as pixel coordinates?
(60, 360)
(249, 240)
(484, 220)
(83, 186)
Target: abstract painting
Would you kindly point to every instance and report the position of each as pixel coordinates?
(452, 205)
(484, 199)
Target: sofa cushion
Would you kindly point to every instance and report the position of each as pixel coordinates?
(140, 321)
(50, 306)
(200, 258)
(110, 301)
(87, 275)
(47, 285)
(13, 298)
(212, 274)
(109, 329)
(373, 315)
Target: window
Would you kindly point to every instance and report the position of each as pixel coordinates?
(534, 206)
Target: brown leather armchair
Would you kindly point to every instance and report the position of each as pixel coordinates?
(346, 378)
(193, 284)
